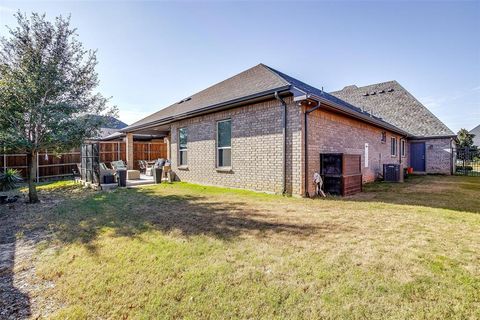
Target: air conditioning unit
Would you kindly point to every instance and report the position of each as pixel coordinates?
(391, 172)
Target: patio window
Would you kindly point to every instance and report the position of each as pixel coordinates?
(402, 148)
(182, 146)
(224, 143)
(393, 150)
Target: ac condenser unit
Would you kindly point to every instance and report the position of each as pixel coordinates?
(391, 172)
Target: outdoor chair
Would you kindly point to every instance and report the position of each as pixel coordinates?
(118, 165)
(142, 166)
(148, 168)
(145, 168)
(105, 171)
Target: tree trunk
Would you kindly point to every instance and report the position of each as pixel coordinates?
(32, 175)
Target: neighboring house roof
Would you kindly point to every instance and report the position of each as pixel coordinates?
(111, 126)
(258, 81)
(476, 132)
(111, 122)
(394, 104)
(106, 132)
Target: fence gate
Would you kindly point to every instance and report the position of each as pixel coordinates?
(468, 162)
(90, 165)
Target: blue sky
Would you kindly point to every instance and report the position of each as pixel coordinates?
(152, 54)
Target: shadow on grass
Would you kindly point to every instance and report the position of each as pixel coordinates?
(130, 212)
(443, 192)
(14, 304)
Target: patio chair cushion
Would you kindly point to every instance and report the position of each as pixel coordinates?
(118, 164)
(133, 174)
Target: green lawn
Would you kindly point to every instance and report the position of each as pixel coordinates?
(396, 251)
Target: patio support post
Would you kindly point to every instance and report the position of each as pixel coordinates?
(129, 145)
(167, 141)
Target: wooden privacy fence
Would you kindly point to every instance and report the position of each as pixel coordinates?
(113, 151)
(48, 165)
(61, 165)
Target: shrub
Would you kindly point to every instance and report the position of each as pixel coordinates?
(9, 179)
(464, 168)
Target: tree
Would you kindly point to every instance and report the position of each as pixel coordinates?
(47, 83)
(465, 139)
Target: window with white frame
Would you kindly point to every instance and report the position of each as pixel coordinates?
(384, 137)
(182, 146)
(224, 143)
(402, 148)
(393, 146)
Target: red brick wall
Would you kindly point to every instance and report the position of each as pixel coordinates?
(256, 148)
(330, 132)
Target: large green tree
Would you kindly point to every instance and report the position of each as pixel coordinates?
(465, 139)
(47, 90)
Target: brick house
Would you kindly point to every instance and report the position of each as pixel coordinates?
(264, 130)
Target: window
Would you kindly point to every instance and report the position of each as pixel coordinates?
(384, 137)
(402, 147)
(182, 146)
(393, 150)
(224, 143)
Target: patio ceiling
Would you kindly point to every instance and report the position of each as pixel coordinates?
(159, 131)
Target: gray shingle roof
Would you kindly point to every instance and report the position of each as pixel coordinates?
(394, 104)
(250, 82)
(476, 132)
(254, 81)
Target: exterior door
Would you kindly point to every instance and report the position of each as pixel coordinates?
(417, 156)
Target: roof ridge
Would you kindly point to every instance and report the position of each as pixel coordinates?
(367, 86)
(475, 128)
(274, 72)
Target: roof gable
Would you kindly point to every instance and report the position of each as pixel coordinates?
(247, 83)
(258, 81)
(394, 104)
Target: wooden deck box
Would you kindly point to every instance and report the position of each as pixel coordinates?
(341, 173)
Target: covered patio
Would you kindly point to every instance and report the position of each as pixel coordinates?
(143, 144)
(132, 151)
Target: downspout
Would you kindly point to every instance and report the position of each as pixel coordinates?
(284, 147)
(305, 147)
(404, 139)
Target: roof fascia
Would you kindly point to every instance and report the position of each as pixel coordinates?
(432, 137)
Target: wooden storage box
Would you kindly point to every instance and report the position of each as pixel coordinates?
(341, 173)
